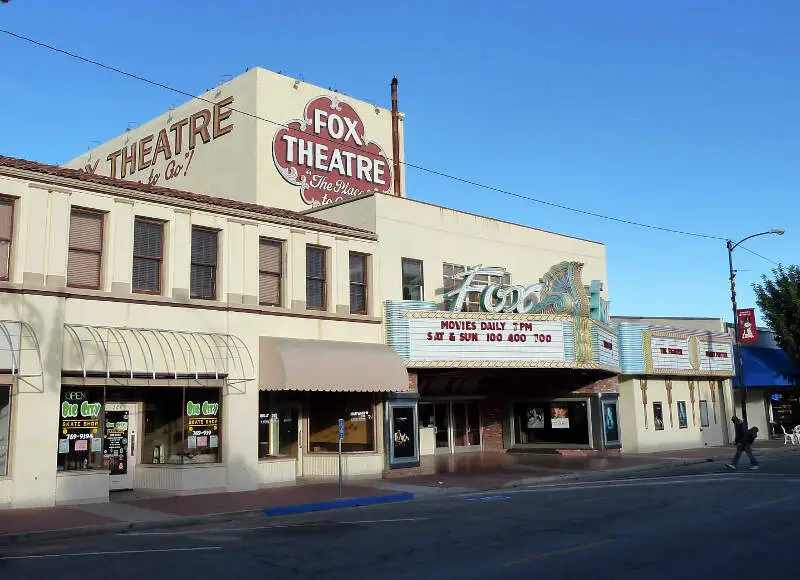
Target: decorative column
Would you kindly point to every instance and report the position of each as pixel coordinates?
(691, 400)
(643, 386)
(668, 383)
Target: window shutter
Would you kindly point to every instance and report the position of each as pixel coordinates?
(315, 263)
(6, 218)
(5, 258)
(85, 249)
(270, 257)
(269, 289)
(204, 247)
(147, 239)
(84, 269)
(86, 231)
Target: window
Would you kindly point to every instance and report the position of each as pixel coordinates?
(204, 264)
(80, 437)
(565, 422)
(412, 279)
(85, 249)
(316, 290)
(270, 270)
(6, 233)
(683, 420)
(325, 410)
(5, 427)
(278, 425)
(148, 255)
(450, 281)
(358, 283)
(704, 422)
(658, 416)
(181, 425)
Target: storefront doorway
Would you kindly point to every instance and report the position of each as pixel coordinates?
(280, 432)
(120, 450)
(456, 425)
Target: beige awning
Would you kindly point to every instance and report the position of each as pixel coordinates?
(327, 365)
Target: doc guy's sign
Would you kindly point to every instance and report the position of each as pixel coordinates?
(327, 154)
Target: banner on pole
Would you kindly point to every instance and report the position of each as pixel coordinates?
(748, 331)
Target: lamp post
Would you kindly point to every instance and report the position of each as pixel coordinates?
(737, 348)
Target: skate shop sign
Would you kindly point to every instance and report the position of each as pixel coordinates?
(438, 337)
(328, 155)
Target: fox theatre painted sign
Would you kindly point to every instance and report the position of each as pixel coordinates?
(328, 155)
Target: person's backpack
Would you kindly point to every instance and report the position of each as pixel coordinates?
(752, 434)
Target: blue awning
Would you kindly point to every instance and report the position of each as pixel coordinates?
(766, 367)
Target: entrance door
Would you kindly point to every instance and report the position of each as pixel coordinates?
(290, 442)
(120, 440)
(466, 426)
(441, 417)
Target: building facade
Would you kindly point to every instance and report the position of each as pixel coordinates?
(212, 335)
(773, 397)
(163, 340)
(675, 383)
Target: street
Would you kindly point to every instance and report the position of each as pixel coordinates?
(698, 521)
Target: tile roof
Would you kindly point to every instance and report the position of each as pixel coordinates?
(177, 194)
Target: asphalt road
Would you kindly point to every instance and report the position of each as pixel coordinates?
(696, 522)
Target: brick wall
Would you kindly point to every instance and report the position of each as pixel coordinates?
(492, 423)
(413, 382)
(609, 385)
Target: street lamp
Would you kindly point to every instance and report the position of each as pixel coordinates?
(737, 350)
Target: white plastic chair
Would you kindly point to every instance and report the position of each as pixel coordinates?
(789, 437)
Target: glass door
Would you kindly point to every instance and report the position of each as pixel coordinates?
(459, 425)
(119, 444)
(441, 418)
(473, 425)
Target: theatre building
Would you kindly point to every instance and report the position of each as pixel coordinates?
(504, 328)
(169, 341)
(675, 383)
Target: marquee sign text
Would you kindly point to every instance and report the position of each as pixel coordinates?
(444, 339)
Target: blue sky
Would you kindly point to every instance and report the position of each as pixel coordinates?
(673, 112)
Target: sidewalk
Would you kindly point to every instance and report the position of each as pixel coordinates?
(440, 476)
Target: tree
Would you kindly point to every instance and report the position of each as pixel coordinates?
(779, 301)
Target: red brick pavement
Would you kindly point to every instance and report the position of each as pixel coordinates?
(19, 521)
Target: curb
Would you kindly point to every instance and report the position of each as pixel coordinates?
(338, 504)
(120, 527)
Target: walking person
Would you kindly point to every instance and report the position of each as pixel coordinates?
(743, 440)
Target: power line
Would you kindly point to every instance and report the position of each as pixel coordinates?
(405, 163)
(760, 256)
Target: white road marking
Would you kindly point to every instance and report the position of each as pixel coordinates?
(118, 553)
(271, 527)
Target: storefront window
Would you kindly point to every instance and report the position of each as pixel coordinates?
(5, 427)
(704, 422)
(80, 438)
(182, 426)
(278, 425)
(202, 410)
(357, 410)
(658, 416)
(404, 432)
(683, 420)
(564, 423)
